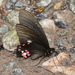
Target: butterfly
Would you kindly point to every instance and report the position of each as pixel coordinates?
(33, 41)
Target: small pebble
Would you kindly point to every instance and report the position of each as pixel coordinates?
(9, 65)
(28, 9)
(14, 1)
(67, 40)
(72, 50)
(3, 17)
(43, 3)
(63, 49)
(61, 24)
(4, 29)
(58, 43)
(17, 72)
(58, 5)
(19, 4)
(40, 16)
(8, 5)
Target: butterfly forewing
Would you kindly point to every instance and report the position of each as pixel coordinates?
(26, 34)
(29, 21)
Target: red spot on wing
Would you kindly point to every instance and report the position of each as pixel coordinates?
(19, 49)
(45, 54)
(51, 51)
(48, 53)
(19, 46)
(23, 44)
(28, 43)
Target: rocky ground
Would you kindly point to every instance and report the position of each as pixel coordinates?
(57, 19)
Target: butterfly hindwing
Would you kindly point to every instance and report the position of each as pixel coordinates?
(35, 50)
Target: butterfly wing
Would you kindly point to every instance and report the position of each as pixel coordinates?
(26, 34)
(29, 21)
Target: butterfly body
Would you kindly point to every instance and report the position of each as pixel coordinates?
(32, 36)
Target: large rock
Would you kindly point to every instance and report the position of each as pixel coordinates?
(10, 40)
(48, 25)
(61, 63)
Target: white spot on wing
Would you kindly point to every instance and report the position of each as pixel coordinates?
(29, 41)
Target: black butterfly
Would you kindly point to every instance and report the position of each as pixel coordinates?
(32, 37)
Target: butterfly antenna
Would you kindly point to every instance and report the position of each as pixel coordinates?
(58, 61)
(44, 69)
(54, 63)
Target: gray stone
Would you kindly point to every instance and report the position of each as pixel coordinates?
(73, 41)
(58, 43)
(3, 17)
(4, 29)
(28, 9)
(61, 24)
(20, 4)
(13, 17)
(9, 65)
(40, 16)
(43, 3)
(8, 5)
(63, 49)
(14, 1)
(72, 5)
(17, 72)
(72, 50)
